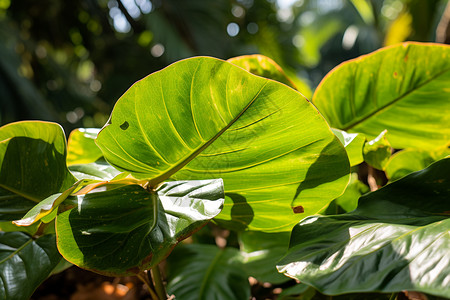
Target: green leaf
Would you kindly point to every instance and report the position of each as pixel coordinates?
(262, 66)
(365, 10)
(204, 118)
(353, 143)
(33, 166)
(377, 151)
(402, 88)
(349, 199)
(206, 272)
(261, 251)
(397, 239)
(25, 263)
(99, 170)
(303, 291)
(81, 147)
(410, 160)
(126, 230)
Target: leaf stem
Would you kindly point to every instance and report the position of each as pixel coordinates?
(393, 296)
(149, 285)
(159, 285)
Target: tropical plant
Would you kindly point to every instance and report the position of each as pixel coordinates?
(205, 139)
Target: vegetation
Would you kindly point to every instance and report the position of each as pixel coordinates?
(204, 139)
(219, 179)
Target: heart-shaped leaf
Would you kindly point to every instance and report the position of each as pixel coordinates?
(397, 239)
(25, 263)
(204, 118)
(206, 272)
(33, 166)
(126, 230)
(403, 89)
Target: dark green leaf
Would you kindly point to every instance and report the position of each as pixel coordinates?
(204, 118)
(33, 166)
(126, 230)
(397, 239)
(403, 89)
(261, 252)
(207, 272)
(25, 263)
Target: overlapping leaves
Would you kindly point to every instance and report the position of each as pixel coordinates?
(204, 118)
(397, 239)
(33, 166)
(126, 230)
(401, 88)
(25, 263)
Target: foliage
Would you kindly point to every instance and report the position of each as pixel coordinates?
(204, 139)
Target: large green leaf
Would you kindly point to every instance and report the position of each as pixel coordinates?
(207, 272)
(397, 239)
(204, 118)
(402, 88)
(32, 166)
(126, 230)
(25, 262)
(81, 147)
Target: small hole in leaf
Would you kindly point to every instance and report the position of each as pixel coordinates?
(298, 209)
(124, 125)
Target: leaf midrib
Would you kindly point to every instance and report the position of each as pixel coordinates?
(166, 175)
(16, 251)
(208, 272)
(14, 191)
(394, 101)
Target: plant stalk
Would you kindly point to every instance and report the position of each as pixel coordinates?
(393, 296)
(149, 285)
(159, 285)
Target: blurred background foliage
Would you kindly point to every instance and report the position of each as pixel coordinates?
(69, 61)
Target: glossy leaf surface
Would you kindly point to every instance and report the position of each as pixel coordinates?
(204, 118)
(261, 251)
(126, 230)
(33, 166)
(397, 239)
(403, 89)
(99, 170)
(25, 263)
(353, 143)
(81, 147)
(206, 272)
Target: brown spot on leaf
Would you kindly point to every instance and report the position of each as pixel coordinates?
(298, 209)
(395, 74)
